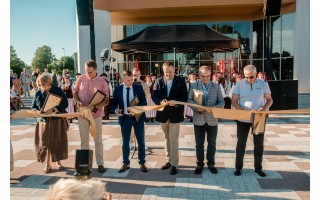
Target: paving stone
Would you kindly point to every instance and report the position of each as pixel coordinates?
(286, 163)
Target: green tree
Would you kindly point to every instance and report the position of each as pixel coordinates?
(16, 64)
(43, 57)
(67, 63)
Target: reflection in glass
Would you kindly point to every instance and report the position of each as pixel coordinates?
(276, 36)
(288, 33)
(287, 69)
(257, 39)
(225, 27)
(259, 65)
(275, 73)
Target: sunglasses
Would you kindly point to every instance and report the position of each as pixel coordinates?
(249, 77)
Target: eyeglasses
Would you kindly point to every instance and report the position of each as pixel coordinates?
(249, 77)
(136, 75)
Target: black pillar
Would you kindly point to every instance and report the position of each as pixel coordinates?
(268, 47)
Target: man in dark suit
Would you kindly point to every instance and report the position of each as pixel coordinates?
(122, 97)
(170, 87)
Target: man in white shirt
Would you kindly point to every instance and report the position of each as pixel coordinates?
(250, 93)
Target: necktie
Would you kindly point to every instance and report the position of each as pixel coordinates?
(128, 102)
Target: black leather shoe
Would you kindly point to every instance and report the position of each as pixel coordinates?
(101, 169)
(166, 166)
(213, 170)
(237, 172)
(260, 172)
(174, 171)
(198, 170)
(124, 168)
(143, 168)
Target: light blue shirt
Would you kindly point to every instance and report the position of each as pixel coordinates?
(205, 93)
(124, 94)
(251, 96)
(169, 85)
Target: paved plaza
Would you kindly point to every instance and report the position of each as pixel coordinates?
(286, 162)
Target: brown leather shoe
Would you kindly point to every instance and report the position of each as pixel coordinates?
(143, 168)
(124, 168)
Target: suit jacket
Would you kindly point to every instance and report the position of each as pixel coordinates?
(118, 99)
(178, 92)
(214, 99)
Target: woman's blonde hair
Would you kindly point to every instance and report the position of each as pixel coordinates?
(44, 79)
(72, 189)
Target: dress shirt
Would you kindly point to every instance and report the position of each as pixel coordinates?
(124, 94)
(169, 85)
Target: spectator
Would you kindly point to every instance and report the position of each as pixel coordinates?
(188, 112)
(152, 113)
(11, 77)
(25, 80)
(107, 109)
(67, 89)
(54, 77)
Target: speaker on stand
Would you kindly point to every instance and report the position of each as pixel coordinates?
(83, 164)
(104, 56)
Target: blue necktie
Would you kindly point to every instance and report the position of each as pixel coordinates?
(128, 102)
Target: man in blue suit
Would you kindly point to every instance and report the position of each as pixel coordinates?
(170, 87)
(122, 97)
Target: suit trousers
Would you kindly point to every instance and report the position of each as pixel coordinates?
(200, 133)
(171, 135)
(242, 135)
(138, 127)
(85, 137)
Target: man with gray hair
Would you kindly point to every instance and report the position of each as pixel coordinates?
(204, 122)
(250, 93)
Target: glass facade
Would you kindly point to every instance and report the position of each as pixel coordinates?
(252, 49)
(282, 46)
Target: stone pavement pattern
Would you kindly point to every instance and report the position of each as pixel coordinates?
(286, 162)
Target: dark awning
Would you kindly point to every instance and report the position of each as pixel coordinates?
(185, 38)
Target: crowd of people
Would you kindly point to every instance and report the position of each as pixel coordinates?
(240, 92)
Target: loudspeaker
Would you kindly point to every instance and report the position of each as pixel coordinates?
(85, 12)
(271, 7)
(83, 163)
(284, 94)
(104, 54)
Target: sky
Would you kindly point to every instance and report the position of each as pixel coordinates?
(34, 23)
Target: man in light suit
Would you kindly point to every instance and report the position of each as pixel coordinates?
(204, 122)
(170, 87)
(122, 96)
